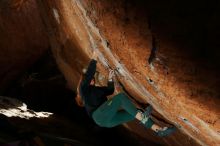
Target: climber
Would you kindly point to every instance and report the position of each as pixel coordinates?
(115, 111)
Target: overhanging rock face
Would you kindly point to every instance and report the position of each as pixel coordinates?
(151, 65)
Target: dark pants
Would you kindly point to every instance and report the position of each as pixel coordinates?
(116, 111)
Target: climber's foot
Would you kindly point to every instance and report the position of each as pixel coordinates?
(148, 111)
(165, 131)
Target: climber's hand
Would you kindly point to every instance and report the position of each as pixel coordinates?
(94, 55)
(111, 75)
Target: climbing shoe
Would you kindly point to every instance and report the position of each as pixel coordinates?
(146, 120)
(148, 111)
(165, 131)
